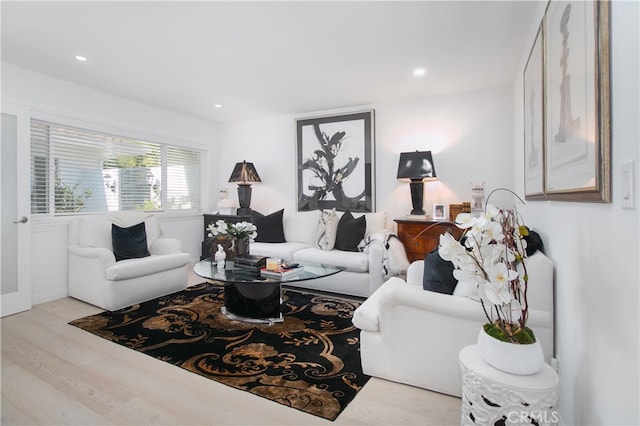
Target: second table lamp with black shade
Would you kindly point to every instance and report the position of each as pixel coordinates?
(245, 174)
(416, 167)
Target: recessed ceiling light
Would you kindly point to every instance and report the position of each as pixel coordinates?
(81, 58)
(419, 72)
(217, 106)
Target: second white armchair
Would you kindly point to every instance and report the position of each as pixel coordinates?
(413, 336)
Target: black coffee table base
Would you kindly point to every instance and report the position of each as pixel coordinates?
(259, 303)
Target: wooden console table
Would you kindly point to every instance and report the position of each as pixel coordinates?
(420, 237)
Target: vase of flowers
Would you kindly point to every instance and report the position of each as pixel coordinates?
(490, 254)
(238, 235)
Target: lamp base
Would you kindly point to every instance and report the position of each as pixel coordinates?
(417, 192)
(244, 199)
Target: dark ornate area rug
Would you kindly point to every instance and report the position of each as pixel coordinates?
(310, 362)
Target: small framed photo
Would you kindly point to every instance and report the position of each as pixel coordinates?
(439, 212)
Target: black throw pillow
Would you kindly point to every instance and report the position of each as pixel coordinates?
(129, 243)
(350, 232)
(269, 227)
(438, 274)
(534, 243)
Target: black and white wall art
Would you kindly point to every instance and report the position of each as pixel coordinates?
(334, 160)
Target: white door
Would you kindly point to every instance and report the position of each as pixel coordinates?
(15, 207)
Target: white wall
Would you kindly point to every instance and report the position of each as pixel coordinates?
(470, 135)
(596, 254)
(62, 101)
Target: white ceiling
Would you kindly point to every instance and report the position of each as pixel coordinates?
(269, 58)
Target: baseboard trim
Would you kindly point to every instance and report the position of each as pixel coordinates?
(48, 297)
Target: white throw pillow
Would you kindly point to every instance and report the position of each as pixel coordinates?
(376, 222)
(301, 227)
(327, 228)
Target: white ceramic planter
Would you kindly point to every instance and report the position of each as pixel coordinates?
(510, 357)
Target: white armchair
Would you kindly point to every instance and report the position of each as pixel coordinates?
(95, 277)
(413, 336)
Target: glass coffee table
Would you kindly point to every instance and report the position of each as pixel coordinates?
(252, 297)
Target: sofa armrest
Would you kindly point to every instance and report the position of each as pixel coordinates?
(415, 273)
(144, 266)
(102, 255)
(87, 266)
(376, 273)
(165, 245)
(366, 315)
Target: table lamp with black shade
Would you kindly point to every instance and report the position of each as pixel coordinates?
(244, 173)
(416, 167)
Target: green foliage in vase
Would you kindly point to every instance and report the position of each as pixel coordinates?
(523, 336)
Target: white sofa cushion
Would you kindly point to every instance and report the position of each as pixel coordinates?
(301, 227)
(132, 268)
(467, 289)
(353, 261)
(376, 222)
(284, 251)
(94, 233)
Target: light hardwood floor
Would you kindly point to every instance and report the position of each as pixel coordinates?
(54, 373)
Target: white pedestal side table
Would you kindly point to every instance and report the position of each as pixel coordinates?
(493, 397)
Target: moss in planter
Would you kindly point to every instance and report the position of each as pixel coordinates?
(524, 337)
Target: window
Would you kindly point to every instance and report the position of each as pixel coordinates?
(76, 170)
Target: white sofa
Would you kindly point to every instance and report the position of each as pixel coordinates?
(96, 278)
(365, 271)
(413, 336)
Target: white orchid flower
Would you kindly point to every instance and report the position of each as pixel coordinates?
(487, 258)
(492, 231)
(449, 248)
(467, 275)
(491, 212)
(465, 220)
(498, 290)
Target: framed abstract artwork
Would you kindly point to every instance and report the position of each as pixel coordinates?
(534, 121)
(577, 107)
(334, 160)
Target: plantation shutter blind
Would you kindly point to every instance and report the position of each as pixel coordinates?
(183, 176)
(77, 170)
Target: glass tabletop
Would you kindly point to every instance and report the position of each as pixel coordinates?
(305, 271)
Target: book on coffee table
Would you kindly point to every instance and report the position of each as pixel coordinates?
(251, 261)
(280, 273)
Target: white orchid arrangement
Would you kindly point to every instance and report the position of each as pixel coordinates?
(490, 255)
(237, 230)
